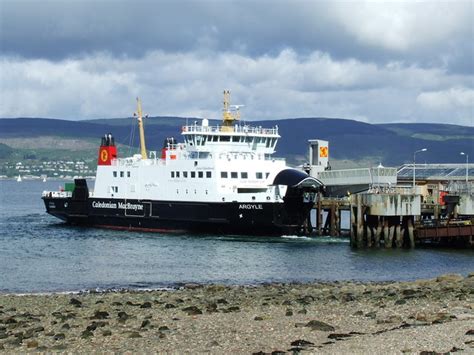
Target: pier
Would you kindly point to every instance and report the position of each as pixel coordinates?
(393, 208)
(391, 220)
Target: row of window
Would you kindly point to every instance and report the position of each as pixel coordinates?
(243, 175)
(122, 174)
(208, 174)
(191, 174)
(201, 140)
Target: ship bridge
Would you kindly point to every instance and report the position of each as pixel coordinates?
(242, 138)
(231, 136)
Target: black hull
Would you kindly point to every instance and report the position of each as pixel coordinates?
(169, 216)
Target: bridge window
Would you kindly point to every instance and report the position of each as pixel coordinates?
(235, 138)
(225, 139)
(208, 174)
(200, 174)
(115, 174)
(244, 175)
(172, 174)
(128, 173)
(234, 175)
(185, 174)
(122, 174)
(177, 174)
(224, 174)
(259, 175)
(215, 138)
(193, 174)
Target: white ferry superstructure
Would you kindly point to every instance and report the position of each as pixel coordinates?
(220, 179)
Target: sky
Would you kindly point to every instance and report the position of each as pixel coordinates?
(373, 61)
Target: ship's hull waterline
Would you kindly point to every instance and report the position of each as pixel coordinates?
(200, 217)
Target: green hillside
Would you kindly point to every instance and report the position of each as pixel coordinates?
(351, 142)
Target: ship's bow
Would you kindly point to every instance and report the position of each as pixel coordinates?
(301, 190)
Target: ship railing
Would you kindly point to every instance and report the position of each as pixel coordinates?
(234, 129)
(153, 158)
(57, 194)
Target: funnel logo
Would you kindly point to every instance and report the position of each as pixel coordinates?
(323, 152)
(104, 155)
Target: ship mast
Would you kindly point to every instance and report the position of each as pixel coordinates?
(140, 127)
(229, 117)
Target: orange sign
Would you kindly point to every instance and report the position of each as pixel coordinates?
(323, 152)
(104, 155)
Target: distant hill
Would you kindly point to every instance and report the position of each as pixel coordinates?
(349, 140)
(5, 151)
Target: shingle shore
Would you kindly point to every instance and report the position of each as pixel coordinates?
(434, 315)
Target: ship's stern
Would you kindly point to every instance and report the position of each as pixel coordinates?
(69, 204)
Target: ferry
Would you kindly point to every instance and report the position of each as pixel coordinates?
(219, 179)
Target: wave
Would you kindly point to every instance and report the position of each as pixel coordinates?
(297, 237)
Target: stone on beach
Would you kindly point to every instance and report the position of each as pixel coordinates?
(318, 325)
(75, 302)
(192, 310)
(366, 315)
(100, 315)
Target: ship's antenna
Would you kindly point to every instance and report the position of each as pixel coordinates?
(142, 130)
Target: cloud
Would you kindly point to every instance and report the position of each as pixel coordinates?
(370, 60)
(425, 32)
(447, 99)
(404, 25)
(190, 84)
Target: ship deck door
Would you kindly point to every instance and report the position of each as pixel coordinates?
(129, 212)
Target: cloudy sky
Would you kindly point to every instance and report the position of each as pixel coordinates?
(374, 61)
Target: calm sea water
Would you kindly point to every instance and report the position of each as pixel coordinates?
(40, 254)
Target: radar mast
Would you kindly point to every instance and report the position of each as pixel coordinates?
(229, 116)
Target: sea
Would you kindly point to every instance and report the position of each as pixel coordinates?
(40, 254)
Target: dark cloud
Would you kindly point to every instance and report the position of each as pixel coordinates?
(61, 29)
(374, 61)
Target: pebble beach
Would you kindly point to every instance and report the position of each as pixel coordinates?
(420, 317)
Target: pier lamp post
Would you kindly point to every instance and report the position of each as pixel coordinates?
(467, 166)
(414, 163)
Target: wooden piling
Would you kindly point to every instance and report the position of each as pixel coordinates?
(360, 223)
(319, 217)
(391, 233)
(398, 235)
(332, 212)
(386, 234)
(411, 235)
(353, 225)
(378, 232)
(370, 234)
